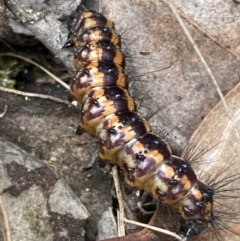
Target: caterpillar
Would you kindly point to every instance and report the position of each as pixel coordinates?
(109, 112)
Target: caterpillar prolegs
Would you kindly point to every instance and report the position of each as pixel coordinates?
(109, 112)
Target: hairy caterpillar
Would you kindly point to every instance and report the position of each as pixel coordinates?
(109, 113)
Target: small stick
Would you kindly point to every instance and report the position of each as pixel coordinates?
(154, 228)
(4, 112)
(120, 212)
(33, 95)
(6, 227)
(39, 66)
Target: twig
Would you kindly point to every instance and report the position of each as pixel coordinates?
(6, 227)
(140, 207)
(153, 228)
(120, 212)
(39, 66)
(4, 112)
(26, 94)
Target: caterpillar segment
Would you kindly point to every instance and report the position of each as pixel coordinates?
(101, 51)
(97, 74)
(173, 180)
(109, 113)
(91, 19)
(100, 102)
(91, 27)
(94, 35)
(192, 206)
(118, 129)
(140, 158)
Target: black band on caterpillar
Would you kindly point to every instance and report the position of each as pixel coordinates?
(125, 138)
(102, 51)
(97, 75)
(100, 102)
(96, 34)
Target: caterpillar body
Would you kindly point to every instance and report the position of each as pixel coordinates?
(109, 112)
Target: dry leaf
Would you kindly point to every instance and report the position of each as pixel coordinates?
(217, 139)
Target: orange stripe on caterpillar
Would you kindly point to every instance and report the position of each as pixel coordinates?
(109, 113)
